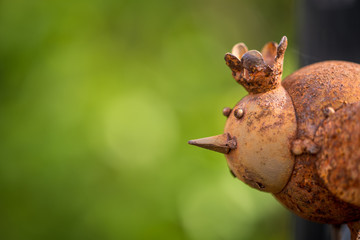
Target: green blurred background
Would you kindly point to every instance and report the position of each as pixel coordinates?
(98, 99)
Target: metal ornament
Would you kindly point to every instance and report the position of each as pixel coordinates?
(299, 138)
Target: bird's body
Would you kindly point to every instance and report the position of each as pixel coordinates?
(299, 138)
(334, 84)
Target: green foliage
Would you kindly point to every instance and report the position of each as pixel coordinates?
(97, 102)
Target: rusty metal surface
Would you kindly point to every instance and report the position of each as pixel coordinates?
(338, 162)
(264, 133)
(312, 89)
(307, 197)
(355, 230)
(321, 85)
(222, 143)
(257, 73)
(275, 125)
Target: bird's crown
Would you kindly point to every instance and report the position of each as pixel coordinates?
(257, 72)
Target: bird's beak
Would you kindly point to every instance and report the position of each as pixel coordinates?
(222, 143)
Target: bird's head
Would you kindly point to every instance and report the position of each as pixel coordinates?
(259, 129)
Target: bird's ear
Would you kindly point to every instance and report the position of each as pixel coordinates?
(280, 52)
(233, 62)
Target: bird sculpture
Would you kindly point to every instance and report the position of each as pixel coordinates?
(298, 139)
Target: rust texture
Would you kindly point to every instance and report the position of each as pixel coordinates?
(266, 125)
(321, 85)
(355, 230)
(338, 163)
(256, 73)
(298, 139)
(312, 89)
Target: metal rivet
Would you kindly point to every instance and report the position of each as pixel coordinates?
(239, 113)
(297, 147)
(226, 111)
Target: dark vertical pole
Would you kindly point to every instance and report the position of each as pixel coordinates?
(327, 30)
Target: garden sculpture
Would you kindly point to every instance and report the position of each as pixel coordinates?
(299, 138)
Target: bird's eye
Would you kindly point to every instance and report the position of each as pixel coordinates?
(239, 113)
(227, 111)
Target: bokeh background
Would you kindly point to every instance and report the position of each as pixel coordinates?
(98, 99)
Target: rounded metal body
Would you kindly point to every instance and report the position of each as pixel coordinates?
(264, 132)
(313, 89)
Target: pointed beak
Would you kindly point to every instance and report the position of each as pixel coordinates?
(222, 143)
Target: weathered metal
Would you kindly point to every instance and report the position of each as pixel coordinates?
(298, 139)
(267, 125)
(338, 162)
(222, 143)
(227, 111)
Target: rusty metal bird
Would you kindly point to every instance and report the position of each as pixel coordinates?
(299, 138)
